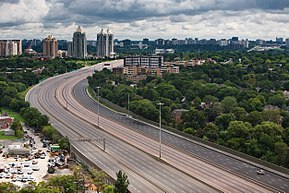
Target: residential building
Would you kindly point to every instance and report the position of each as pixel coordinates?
(69, 49)
(10, 47)
(105, 44)
(50, 47)
(160, 41)
(164, 51)
(223, 42)
(279, 41)
(144, 61)
(145, 41)
(260, 42)
(5, 122)
(79, 45)
(245, 43)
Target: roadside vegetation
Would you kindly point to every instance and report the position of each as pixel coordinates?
(241, 103)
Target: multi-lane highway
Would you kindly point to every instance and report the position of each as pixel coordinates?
(71, 111)
(238, 166)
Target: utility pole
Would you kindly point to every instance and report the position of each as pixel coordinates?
(98, 105)
(128, 104)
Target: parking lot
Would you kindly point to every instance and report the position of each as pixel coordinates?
(21, 170)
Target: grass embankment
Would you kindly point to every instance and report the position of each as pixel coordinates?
(17, 116)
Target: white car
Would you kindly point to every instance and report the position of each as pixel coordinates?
(260, 172)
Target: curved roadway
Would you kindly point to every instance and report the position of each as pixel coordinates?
(147, 174)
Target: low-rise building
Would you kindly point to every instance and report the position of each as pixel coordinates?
(5, 122)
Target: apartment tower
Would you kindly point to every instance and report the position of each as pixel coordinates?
(79, 45)
(50, 47)
(105, 44)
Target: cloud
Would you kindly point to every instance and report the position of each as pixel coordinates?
(150, 18)
(22, 11)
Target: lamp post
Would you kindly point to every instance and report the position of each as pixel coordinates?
(160, 135)
(128, 104)
(98, 87)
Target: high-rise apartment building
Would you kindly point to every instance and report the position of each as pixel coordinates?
(50, 47)
(79, 45)
(10, 47)
(105, 44)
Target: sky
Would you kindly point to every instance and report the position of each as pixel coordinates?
(138, 19)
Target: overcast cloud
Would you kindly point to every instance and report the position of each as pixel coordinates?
(136, 19)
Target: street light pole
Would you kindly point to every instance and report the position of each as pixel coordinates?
(98, 105)
(160, 135)
(128, 104)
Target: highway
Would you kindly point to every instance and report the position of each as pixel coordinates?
(61, 98)
(146, 174)
(190, 147)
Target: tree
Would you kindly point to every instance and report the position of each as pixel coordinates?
(64, 143)
(254, 118)
(223, 120)
(122, 182)
(99, 179)
(239, 129)
(240, 113)
(272, 116)
(19, 133)
(109, 189)
(277, 100)
(16, 125)
(145, 108)
(228, 104)
(7, 187)
(193, 118)
(48, 131)
(67, 182)
(211, 132)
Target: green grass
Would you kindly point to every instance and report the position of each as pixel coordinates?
(17, 116)
(2, 136)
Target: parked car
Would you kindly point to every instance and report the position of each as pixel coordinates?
(8, 175)
(35, 168)
(19, 172)
(31, 178)
(42, 156)
(34, 162)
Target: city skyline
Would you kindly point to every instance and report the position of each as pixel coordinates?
(29, 19)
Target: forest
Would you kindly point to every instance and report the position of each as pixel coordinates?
(242, 104)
